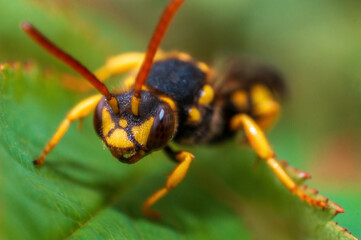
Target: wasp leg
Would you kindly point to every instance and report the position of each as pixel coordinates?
(263, 149)
(184, 159)
(266, 113)
(81, 110)
(119, 64)
(266, 108)
(115, 65)
(122, 63)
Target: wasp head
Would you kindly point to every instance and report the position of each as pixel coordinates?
(130, 137)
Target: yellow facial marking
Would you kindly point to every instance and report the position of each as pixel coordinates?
(194, 116)
(240, 99)
(141, 132)
(207, 95)
(169, 101)
(119, 139)
(107, 122)
(123, 123)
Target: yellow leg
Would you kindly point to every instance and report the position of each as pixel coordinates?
(266, 113)
(266, 108)
(119, 64)
(122, 63)
(184, 159)
(81, 110)
(260, 144)
(115, 65)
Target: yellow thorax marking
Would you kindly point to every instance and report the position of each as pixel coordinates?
(207, 95)
(240, 99)
(107, 122)
(169, 101)
(119, 138)
(194, 116)
(123, 123)
(141, 132)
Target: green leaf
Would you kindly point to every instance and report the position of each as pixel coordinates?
(84, 193)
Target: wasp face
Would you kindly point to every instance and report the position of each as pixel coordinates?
(131, 137)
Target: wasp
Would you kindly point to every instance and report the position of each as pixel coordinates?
(173, 97)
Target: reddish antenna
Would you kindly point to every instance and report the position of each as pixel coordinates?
(39, 38)
(157, 37)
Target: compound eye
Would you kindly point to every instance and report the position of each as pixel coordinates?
(163, 128)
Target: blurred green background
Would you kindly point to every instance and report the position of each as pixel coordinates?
(315, 44)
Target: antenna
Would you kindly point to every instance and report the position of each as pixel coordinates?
(39, 38)
(157, 37)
